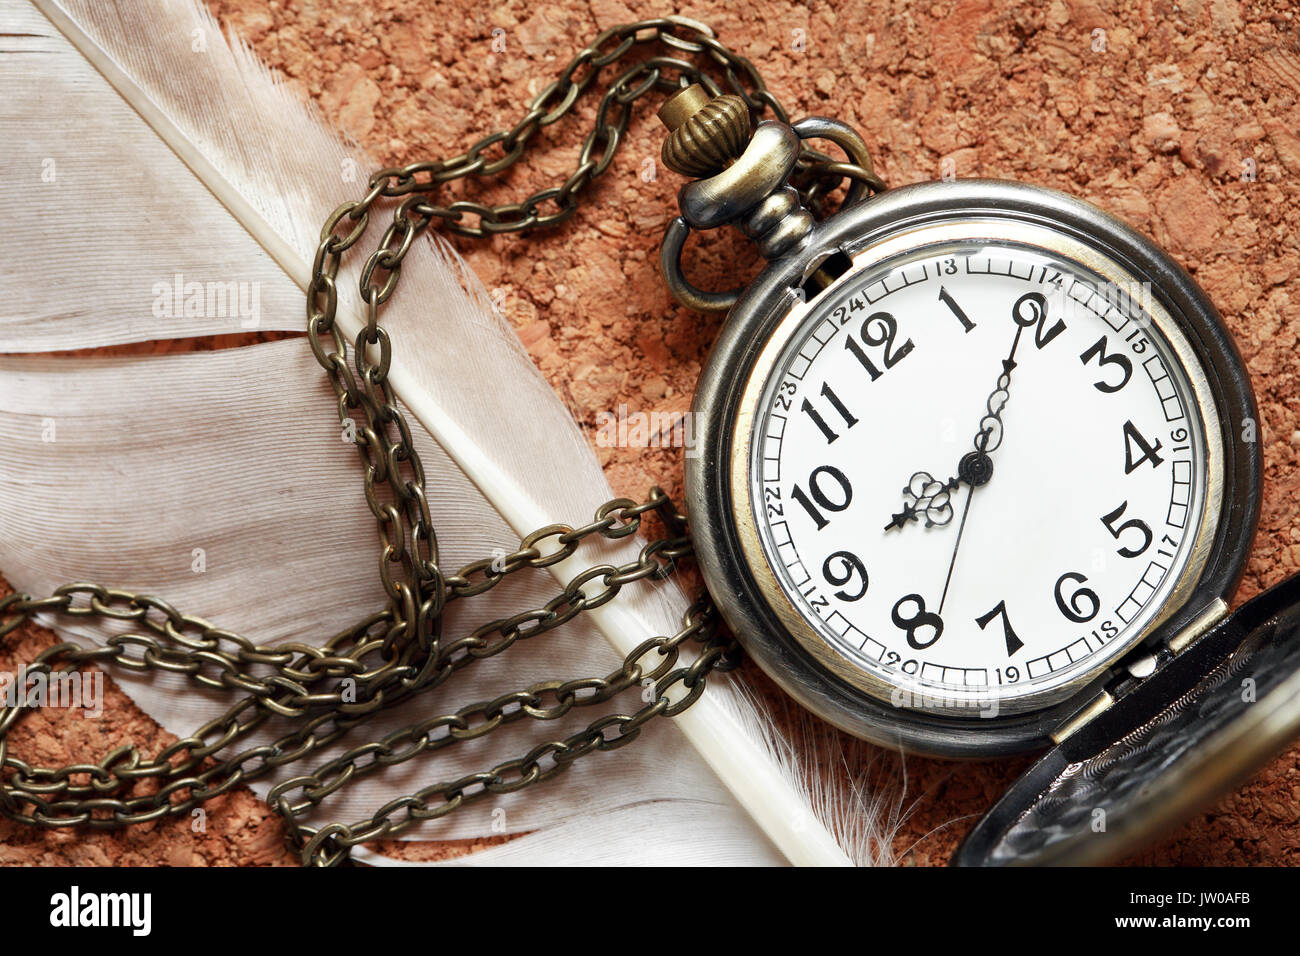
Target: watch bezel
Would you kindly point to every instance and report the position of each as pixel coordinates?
(717, 478)
(967, 230)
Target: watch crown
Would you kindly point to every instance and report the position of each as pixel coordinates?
(707, 133)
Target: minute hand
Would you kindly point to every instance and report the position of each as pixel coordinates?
(930, 497)
(976, 468)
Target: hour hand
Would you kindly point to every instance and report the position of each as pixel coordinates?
(925, 498)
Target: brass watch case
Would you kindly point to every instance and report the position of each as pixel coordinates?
(770, 312)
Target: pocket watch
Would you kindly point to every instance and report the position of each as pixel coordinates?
(977, 471)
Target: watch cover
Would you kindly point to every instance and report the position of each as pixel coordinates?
(1179, 740)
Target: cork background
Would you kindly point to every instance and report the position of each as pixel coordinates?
(1179, 117)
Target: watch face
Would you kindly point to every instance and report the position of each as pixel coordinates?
(977, 469)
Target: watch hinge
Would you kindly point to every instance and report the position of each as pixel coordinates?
(1215, 612)
(1083, 715)
(1146, 660)
(1142, 665)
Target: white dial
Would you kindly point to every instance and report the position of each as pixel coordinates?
(977, 471)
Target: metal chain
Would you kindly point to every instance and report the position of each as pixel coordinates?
(399, 650)
(100, 795)
(816, 173)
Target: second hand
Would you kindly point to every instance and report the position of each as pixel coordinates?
(970, 495)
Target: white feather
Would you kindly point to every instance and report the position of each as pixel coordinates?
(155, 149)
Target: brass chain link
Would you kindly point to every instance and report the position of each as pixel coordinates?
(94, 795)
(399, 650)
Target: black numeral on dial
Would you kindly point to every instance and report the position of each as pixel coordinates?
(883, 332)
(912, 623)
(951, 303)
(830, 491)
(845, 567)
(1030, 311)
(809, 409)
(1134, 523)
(1134, 437)
(1098, 351)
(1083, 604)
(1014, 643)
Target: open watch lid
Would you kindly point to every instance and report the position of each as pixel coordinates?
(1179, 740)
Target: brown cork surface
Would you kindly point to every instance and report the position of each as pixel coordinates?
(1151, 109)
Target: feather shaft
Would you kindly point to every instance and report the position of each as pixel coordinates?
(738, 761)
